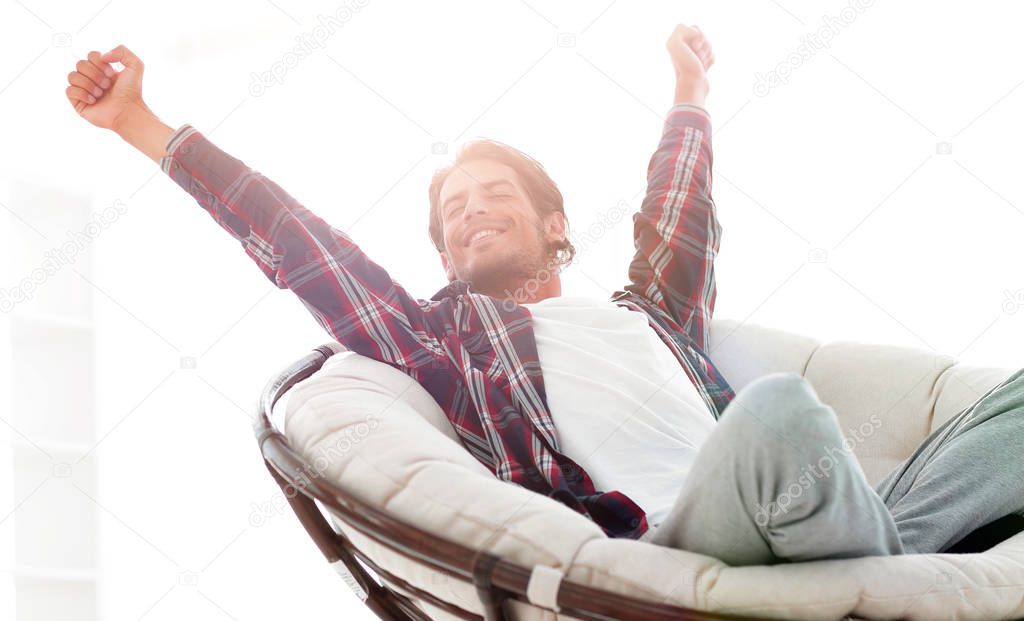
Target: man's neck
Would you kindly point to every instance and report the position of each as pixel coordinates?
(526, 292)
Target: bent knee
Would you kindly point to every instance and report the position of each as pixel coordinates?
(782, 400)
(782, 388)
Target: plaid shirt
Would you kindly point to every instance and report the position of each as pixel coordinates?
(476, 355)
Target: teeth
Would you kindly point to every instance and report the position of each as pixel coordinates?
(484, 233)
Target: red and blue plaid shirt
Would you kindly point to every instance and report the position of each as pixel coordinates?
(476, 355)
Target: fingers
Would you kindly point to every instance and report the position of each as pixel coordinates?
(92, 73)
(123, 55)
(85, 84)
(79, 97)
(700, 45)
(90, 79)
(707, 57)
(97, 60)
(687, 33)
(694, 38)
(77, 93)
(705, 54)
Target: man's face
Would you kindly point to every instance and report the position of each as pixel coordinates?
(493, 237)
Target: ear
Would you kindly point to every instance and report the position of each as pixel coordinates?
(448, 270)
(554, 224)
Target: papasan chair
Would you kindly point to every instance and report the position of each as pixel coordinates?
(420, 529)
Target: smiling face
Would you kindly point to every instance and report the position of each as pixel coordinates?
(493, 236)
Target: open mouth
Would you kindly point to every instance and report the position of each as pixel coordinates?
(484, 236)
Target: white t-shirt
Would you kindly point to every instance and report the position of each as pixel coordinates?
(622, 405)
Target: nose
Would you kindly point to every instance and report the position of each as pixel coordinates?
(474, 207)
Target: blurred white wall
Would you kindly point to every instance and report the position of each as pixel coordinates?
(872, 192)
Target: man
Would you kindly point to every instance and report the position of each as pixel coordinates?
(612, 407)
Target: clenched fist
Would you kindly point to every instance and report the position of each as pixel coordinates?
(103, 95)
(691, 57)
(112, 100)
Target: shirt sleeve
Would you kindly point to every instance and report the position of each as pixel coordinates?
(676, 232)
(352, 297)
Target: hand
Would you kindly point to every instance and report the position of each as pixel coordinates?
(103, 95)
(691, 57)
(112, 100)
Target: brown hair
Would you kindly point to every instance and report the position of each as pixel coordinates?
(541, 191)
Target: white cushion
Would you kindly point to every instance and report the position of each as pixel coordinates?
(376, 432)
(912, 586)
(379, 434)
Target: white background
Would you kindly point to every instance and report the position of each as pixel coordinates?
(922, 243)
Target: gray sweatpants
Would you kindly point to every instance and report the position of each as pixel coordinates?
(775, 482)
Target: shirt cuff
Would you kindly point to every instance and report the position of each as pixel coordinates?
(173, 142)
(691, 107)
(688, 115)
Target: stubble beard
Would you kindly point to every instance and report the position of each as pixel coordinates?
(506, 274)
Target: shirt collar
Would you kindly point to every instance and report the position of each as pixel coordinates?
(454, 288)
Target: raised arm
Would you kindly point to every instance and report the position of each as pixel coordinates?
(676, 231)
(352, 297)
